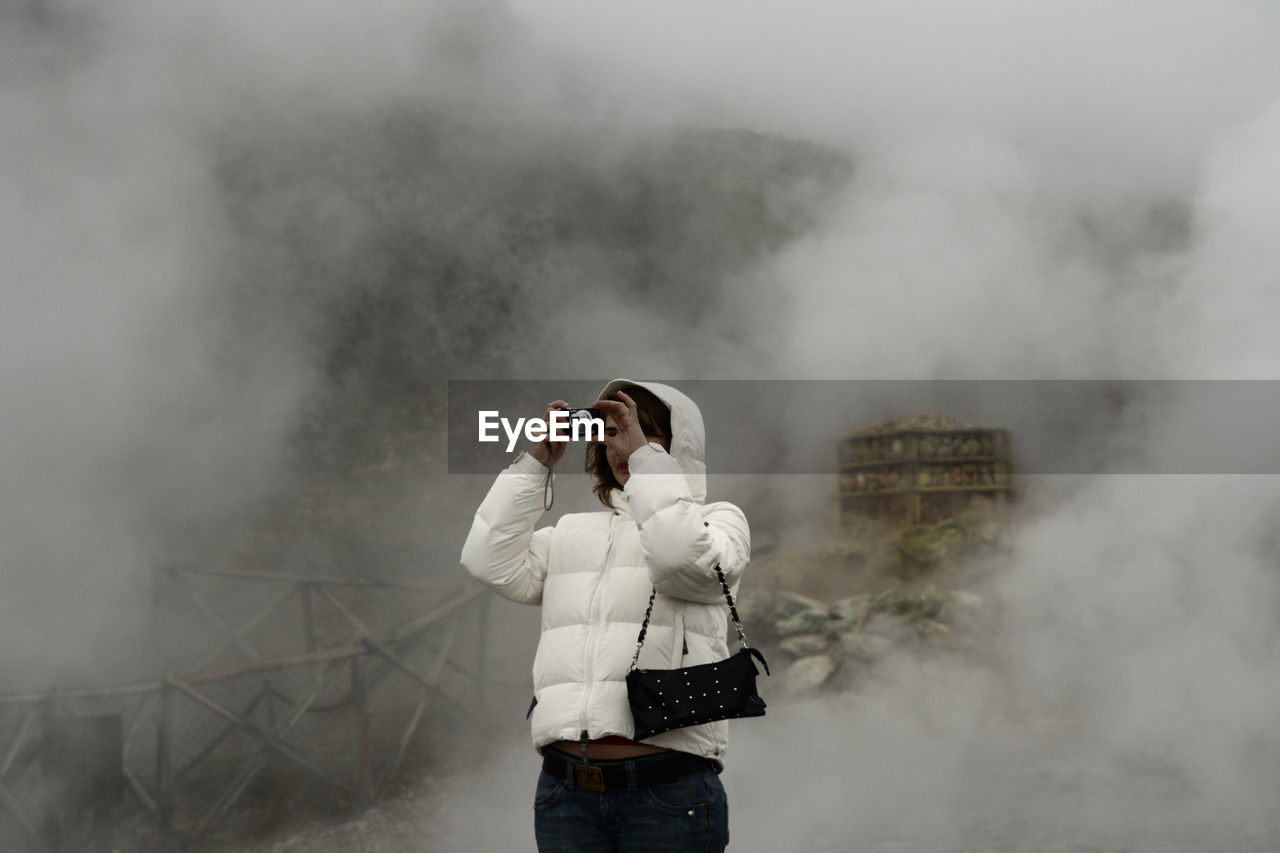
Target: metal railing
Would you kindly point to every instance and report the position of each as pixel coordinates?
(321, 685)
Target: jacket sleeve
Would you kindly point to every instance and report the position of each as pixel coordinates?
(502, 550)
(682, 539)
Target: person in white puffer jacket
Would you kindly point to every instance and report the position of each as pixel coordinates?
(593, 573)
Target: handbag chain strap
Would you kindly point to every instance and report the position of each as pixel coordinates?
(644, 626)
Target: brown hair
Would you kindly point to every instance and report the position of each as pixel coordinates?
(655, 419)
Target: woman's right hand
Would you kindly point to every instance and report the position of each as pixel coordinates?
(547, 451)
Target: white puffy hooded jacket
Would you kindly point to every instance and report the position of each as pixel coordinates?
(592, 573)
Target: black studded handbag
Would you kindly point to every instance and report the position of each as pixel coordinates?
(666, 699)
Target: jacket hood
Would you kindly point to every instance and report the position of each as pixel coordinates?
(688, 437)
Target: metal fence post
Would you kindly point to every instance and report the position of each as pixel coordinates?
(363, 776)
(164, 758)
(83, 774)
(53, 789)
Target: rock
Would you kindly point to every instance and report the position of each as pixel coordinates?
(934, 544)
(817, 621)
(930, 602)
(788, 604)
(851, 673)
(965, 599)
(966, 613)
(894, 628)
(851, 610)
(805, 645)
(808, 674)
(892, 601)
(865, 645)
(932, 629)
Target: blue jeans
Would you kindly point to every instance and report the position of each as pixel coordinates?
(687, 815)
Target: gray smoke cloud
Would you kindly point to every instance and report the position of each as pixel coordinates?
(1049, 191)
(119, 395)
(1045, 190)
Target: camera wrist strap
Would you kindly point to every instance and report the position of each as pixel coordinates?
(548, 490)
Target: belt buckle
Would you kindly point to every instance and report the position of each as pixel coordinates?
(588, 777)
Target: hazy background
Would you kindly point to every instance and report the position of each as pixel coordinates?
(246, 244)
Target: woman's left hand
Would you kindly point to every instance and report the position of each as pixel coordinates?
(628, 437)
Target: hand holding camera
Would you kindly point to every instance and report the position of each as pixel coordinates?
(624, 435)
(548, 452)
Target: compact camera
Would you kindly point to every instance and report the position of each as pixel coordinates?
(584, 414)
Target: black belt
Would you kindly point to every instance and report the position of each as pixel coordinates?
(622, 774)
